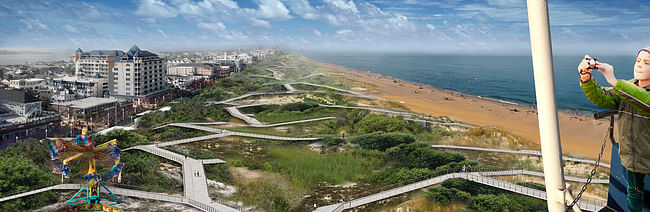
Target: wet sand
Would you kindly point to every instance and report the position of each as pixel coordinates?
(581, 135)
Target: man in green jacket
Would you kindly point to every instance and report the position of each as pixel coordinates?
(628, 97)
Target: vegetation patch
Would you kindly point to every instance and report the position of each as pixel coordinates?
(307, 167)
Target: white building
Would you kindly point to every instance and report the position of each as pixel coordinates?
(138, 73)
(186, 69)
(20, 103)
(31, 83)
(95, 62)
(81, 86)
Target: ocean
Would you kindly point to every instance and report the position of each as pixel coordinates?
(506, 78)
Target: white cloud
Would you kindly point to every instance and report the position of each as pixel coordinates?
(155, 9)
(506, 3)
(343, 32)
(139, 30)
(32, 23)
(260, 23)
(317, 33)
(229, 4)
(430, 27)
(272, 9)
(213, 27)
(344, 5)
(302, 8)
(70, 28)
(162, 33)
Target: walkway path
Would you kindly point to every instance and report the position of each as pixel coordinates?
(352, 107)
(225, 133)
(522, 152)
(276, 75)
(194, 181)
(189, 140)
(132, 193)
(289, 87)
(473, 176)
(262, 76)
(235, 113)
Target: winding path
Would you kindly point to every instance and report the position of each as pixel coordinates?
(522, 152)
(479, 177)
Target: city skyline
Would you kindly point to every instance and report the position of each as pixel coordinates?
(450, 26)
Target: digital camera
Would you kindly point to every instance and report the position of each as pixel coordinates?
(592, 62)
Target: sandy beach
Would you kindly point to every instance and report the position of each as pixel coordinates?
(580, 135)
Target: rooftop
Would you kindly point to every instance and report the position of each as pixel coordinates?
(107, 53)
(19, 96)
(88, 102)
(134, 52)
(30, 80)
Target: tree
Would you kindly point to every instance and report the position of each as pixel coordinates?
(125, 138)
(19, 175)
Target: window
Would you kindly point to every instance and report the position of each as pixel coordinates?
(128, 74)
(128, 69)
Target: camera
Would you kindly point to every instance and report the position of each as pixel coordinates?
(592, 62)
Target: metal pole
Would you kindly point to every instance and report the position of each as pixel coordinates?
(540, 43)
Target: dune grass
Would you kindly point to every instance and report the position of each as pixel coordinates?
(277, 116)
(307, 167)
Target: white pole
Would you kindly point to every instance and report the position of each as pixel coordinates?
(540, 43)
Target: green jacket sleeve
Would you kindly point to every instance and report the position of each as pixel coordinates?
(638, 93)
(603, 97)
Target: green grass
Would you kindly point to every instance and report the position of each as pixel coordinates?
(272, 117)
(293, 130)
(307, 167)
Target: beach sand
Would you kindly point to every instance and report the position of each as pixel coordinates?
(580, 135)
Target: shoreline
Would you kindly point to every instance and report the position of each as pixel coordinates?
(580, 133)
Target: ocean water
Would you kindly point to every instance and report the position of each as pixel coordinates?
(507, 78)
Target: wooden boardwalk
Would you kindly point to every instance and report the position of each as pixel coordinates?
(522, 152)
(586, 204)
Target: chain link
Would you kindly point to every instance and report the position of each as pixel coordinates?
(593, 171)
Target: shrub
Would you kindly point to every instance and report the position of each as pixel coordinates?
(491, 202)
(419, 155)
(382, 141)
(445, 195)
(125, 138)
(332, 140)
(298, 106)
(403, 176)
(375, 123)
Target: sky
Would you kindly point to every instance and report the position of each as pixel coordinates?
(444, 26)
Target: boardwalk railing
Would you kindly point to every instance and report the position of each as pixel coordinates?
(476, 175)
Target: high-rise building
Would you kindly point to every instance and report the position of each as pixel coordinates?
(138, 73)
(95, 62)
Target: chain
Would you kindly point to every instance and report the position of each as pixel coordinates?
(593, 171)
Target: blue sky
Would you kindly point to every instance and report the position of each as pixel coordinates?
(445, 26)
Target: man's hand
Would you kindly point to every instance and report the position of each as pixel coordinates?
(583, 69)
(608, 71)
